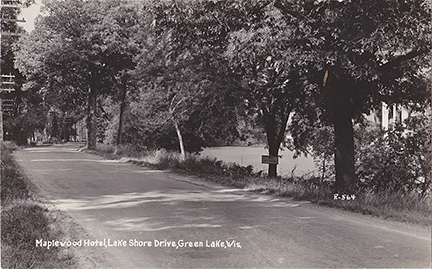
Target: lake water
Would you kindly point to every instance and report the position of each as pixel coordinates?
(252, 156)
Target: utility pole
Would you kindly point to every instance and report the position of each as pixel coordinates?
(6, 105)
(7, 81)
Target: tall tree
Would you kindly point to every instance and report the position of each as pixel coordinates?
(181, 66)
(268, 56)
(77, 50)
(366, 52)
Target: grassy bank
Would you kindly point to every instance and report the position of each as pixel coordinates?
(411, 207)
(24, 219)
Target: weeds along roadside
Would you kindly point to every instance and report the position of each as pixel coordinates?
(24, 219)
(399, 206)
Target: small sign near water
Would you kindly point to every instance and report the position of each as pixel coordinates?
(269, 159)
(287, 166)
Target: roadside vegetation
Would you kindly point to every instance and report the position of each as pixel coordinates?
(411, 206)
(329, 79)
(184, 75)
(24, 219)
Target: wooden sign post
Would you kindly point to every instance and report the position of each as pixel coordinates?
(269, 159)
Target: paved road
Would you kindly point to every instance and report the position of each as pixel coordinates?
(116, 201)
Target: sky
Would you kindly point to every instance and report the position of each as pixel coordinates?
(29, 14)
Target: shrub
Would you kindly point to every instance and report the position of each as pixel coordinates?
(395, 161)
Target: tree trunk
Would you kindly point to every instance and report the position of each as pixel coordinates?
(179, 135)
(270, 128)
(344, 153)
(275, 130)
(91, 120)
(180, 138)
(273, 152)
(323, 167)
(339, 96)
(1, 121)
(122, 109)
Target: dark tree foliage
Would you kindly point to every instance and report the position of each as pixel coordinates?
(190, 70)
(20, 127)
(182, 70)
(77, 52)
(366, 52)
(267, 54)
(13, 128)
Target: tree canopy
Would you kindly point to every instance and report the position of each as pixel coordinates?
(182, 71)
(77, 51)
(366, 52)
(268, 56)
(310, 70)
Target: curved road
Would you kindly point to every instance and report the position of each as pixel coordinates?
(155, 214)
